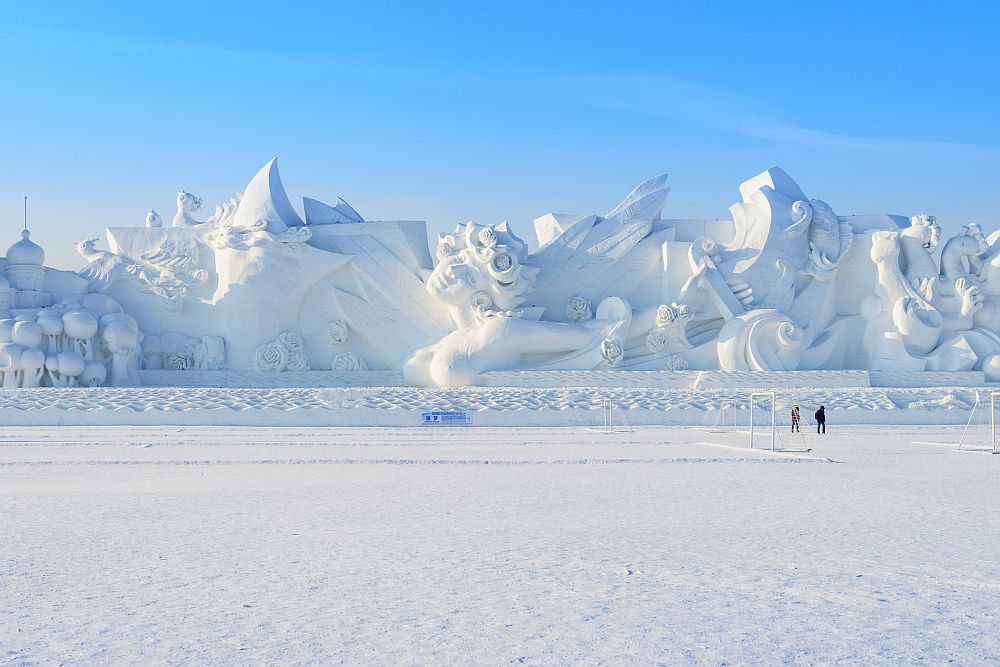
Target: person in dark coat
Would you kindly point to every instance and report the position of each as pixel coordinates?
(821, 419)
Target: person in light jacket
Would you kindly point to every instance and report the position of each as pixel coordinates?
(796, 416)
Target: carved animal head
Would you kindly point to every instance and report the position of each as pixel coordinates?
(482, 266)
(153, 219)
(87, 245)
(187, 202)
(974, 231)
(965, 244)
(885, 246)
(925, 228)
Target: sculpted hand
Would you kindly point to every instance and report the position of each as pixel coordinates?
(972, 296)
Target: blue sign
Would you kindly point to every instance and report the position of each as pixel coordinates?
(443, 418)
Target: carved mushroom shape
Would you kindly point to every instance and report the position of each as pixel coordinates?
(10, 363)
(52, 328)
(32, 367)
(27, 334)
(80, 327)
(71, 364)
(94, 374)
(50, 311)
(52, 366)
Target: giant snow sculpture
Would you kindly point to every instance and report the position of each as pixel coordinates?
(786, 284)
(55, 333)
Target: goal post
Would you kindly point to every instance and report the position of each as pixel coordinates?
(994, 445)
(766, 395)
(721, 418)
(610, 408)
(978, 420)
(972, 416)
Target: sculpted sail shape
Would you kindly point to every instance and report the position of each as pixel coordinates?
(784, 284)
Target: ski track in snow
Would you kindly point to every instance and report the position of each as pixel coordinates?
(125, 545)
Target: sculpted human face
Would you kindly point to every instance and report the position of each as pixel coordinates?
(454, 280)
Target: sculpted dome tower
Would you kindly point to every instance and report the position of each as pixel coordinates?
(26, 273)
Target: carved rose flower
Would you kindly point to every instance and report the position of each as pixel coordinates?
(578, 309)
(665, 315)
(656, 340)
(677, 363)
(683, 310)
(446, 246)
(297, 362)
(291, 340)
(502, 262)
(337, 331)
(487, 237)
(178, 362)
(612, 351)
(271, 357)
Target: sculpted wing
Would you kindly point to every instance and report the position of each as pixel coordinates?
(596, 256)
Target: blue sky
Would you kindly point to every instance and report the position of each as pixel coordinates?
(455, 111)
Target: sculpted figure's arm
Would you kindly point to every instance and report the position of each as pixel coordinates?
(532, 337)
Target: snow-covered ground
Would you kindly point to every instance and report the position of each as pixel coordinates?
(489, 406)
(210, 545)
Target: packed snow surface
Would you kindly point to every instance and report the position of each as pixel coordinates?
(488, 406)
(209, 545)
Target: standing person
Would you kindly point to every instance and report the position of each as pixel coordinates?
(795, 419)
(821, 419)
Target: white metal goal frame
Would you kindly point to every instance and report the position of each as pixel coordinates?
(610, 405)
(994, 442)
(774, 426)
(994, 445)
(727, 407)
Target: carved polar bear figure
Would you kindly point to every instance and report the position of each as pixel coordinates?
(960, 253)
(957, 293)
(187, 204)
(917, 244)
(900, 321)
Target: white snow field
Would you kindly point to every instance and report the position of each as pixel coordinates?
(227, 545)
(490, 406)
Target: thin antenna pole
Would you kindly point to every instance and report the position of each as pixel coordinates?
(25, 212)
